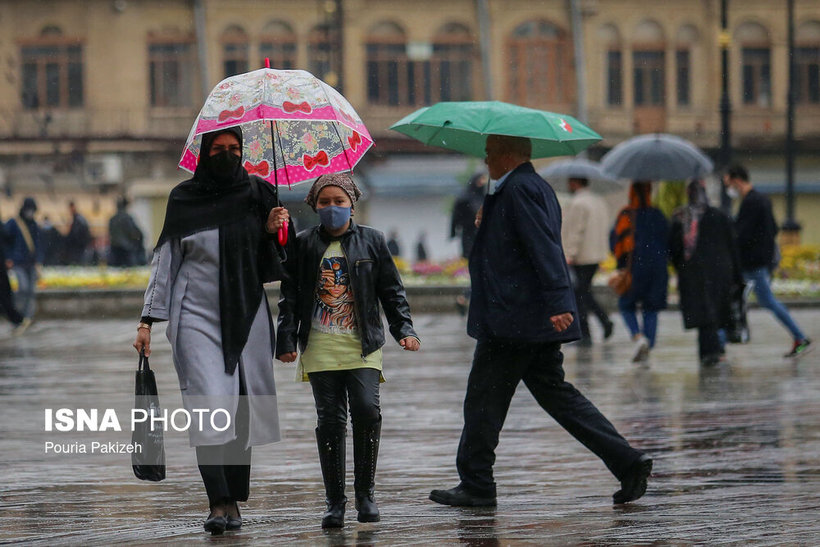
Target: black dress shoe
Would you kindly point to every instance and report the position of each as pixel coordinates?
(234, 523)
(608, 330)
(633, 485)
(216, 525)
(458, 496)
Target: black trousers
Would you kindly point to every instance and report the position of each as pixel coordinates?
(708, 341)
(6, 297)
(498, 367)
(228, 480)
(333, 389)
(584, 299)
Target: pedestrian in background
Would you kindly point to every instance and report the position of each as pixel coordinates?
(78, 238)
(329, 311)
(465, 208)
(585, 233)
(393, 243)
(125, 237)
(703, 250)
(756, 230)
(421, 248)
(53, 246)
(25, 256)
(7, 307)
(640, 240)
(214, 253)
(522, 310)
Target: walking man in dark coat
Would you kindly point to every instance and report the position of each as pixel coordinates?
(523, 309)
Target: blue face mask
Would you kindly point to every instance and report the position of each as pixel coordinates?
(333, 217)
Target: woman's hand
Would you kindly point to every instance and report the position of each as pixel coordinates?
(410, 343)
(276, 218)
(143, 341)
(287, 357)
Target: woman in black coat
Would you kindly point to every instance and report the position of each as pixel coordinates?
(703, 250)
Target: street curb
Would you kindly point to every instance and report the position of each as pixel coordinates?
(122, 303)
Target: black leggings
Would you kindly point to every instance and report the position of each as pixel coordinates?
(332, 389)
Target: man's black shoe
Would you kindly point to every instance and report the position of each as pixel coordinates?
(633, 485)
(458, 496)
(608, 326)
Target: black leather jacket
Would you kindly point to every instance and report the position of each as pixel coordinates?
(374, 278)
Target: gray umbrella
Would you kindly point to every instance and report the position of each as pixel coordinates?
(657, 156)
(579, 168)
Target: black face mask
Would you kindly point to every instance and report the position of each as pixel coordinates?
(224, 165)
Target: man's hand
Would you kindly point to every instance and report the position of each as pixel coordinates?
(276, 218)
(410, 343)
(478, 216)
(562, 322)
(9, 264)
(287, 357)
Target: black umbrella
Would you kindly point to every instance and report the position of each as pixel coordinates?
(657, 156)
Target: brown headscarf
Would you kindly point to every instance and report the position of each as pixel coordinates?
(342, 180)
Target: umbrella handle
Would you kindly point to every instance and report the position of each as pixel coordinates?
(282, 235)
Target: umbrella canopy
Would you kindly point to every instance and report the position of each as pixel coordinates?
(294, 126)
(656, 157)
(579, 168)
(464, 126)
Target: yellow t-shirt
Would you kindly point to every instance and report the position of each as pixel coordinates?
(334, 342)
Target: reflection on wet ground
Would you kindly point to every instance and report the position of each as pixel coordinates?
(736, 448)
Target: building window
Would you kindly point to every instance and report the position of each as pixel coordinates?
(807, 75)
(234, 51)
(278, 43)
(649, 78)
(392, 79)
(320, 51)
(171, 73)
(615, 86)
(541, 65)
(683, 77)
(452, 71)
(756, 76)
(52, 71)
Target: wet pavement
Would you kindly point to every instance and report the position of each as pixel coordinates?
(736, 448)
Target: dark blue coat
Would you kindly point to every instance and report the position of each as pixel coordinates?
(17, 249)
(518, 271)
(650, 276)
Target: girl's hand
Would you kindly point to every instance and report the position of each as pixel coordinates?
(287, 357)
(143, 342)
(410, 343)
(276, 218)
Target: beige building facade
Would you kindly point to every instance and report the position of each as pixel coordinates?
(97, 96)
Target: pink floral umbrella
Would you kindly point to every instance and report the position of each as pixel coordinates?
(295, 127)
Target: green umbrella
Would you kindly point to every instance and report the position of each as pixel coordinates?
(464, 126)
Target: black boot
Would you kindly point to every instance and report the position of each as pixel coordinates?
(365, 454)
(331, 444)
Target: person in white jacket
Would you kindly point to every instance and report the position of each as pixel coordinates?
(585, 233)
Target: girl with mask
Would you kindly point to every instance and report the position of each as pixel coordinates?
(329, 311)
(216, 249)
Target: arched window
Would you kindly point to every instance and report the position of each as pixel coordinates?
(52, 71)
(541, 65)
(278, 43)
(391, 76)
(687, 37)
(649, 65)
(453, 56)
(756, 62)
(234, 51)
(807, 63)
(320, 51)
(610, 38)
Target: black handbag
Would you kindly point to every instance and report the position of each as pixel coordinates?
(148, 458)
(738, 331)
